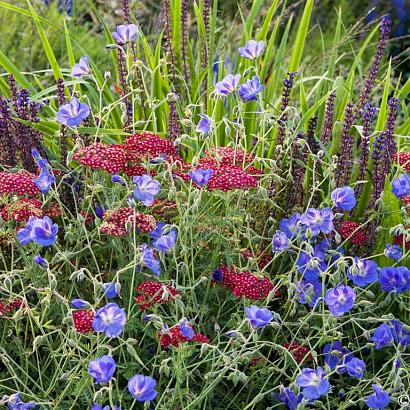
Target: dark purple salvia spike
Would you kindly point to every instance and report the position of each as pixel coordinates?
(126, 11)
(328, 122)
(184, 40)
(283, 116)
(174, 130)
(206, 12)
(310, 135)
(393, 105)
(7, 143)
(63, 129)
(345, 158)
(125, 91)
(368, 114)
(166, 13)
(385, 27)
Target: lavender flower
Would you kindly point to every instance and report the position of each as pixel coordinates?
(125, 33)
(363, 272)
(250, 89)
(290, 226)
(340, 299)
(228, 85)
(355, 368)
(289, 398)
(73, 113)
(280, 242)
(15, 403)
(111, 290)
(336, 356)
(252, 49)
(201, 176)
(205, 124)
(41, 231)
(109, 319)
(380, 399)
(102, 369)
(318, 220)
(258, 317)
(313, 383)
(166, 242)
(394, 252)
(344, 198)
(401, 185)
(149, 260)
(142, 388)
(146, 190)
(82, 68)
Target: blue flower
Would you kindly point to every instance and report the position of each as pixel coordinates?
(311, 265)
(344, 198)
(118, 179)
(313, 383)
(82, 68)
(228, 85)
(401, 185)
(355, 367)
(394, 252)
(289, 398)
(258, 317)
(186, 330)
(73, 113)
(387, 334)
(250, 89)
(111, 290)
(205, 124)
(79, 303)
(201, 176)
(394, 279)
(309, 292)
(166, 242)
(158, 231)
(44, 180)
(363, 272)
(146, 189)
(252, 49)
(109, 319)
(149, 260)
(14, 403)
(217, 275)
(380, 399)
(41, 231)
(318, 220)
(99, 211)
(96, 406)
(40, 161)
(336, 356)
(142, 388)
(340, 299)
(280, 242)
(102, 369)
(290, 226)
(40, 260)
(125, 33)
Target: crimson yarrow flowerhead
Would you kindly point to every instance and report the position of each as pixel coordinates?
(142, 388)
(340, 299)
(146, 190)
(73, 113)
(41, 231)
(313, 383)
(252, 49)
(228, 85)
(125, 33)
(110, 319)
(318, 220)
(102, 369)
(82, 68)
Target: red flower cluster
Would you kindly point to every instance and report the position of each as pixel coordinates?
(263, 259)
(299, 352)
(347, 230)
(151, 293)
(53, 211)
(20, 183)
(6, 308)
(400, 240)
(243, 284)
(163, 208)
(22, 210)
(115, 222)
(83, 320)
(149, 145)
(403, 159)
(174, 337)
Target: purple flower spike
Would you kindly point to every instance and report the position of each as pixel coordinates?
(205, 124)
(73, 113)
(201, 176)
(401, 185)
(340, 299)
(146, 189)
(228, 85)
(82, 68)
(142, 388)
(125, 33)
(102, 369)
(252, 49)
(250, 89)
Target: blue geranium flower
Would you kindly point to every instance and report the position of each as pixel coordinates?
(336, 356)
(250, 89)
(280, 242)
(311, 265)
(186, 330)
(252, 49)
(228, 85)
(387, 334)
(318, 220)
(142, 388)
(82, 68)
(258, 317)
(73, 113)
(340, 299)
(344, 198)
(401, 185)
(14, 403)
(41, 231)
(146, 190)
(291, 226)
(79, 303)
(111, 290)
(313, 383)
(363, 272)
(355, 367)
(40, 260)
(96, 406)
(205, 124)
(125, 33)
(394, 279)
(309, 291)
(149, 260)
(102, 369)
(44, 180)
(380, 399)
(394, 252)
(109, 319)
(289, 398)
(166, 242)
(201, 176)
